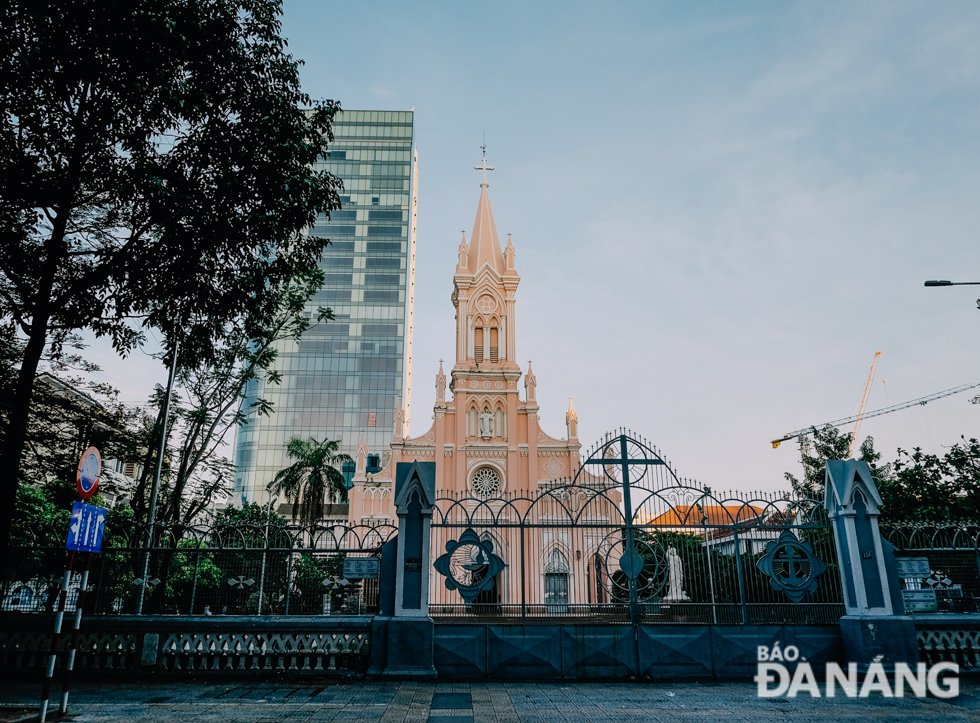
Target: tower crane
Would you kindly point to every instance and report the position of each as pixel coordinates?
(864, 402)
(876, 413)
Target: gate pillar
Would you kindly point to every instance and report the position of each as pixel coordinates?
(874, 626)
(403, 633)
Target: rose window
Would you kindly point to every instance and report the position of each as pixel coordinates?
(486, 482)
(486, 304)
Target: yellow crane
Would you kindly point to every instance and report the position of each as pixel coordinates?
(864, 402)
(877, 412)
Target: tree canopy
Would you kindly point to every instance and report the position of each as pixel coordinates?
(156, 169)
(312, 477)
(915, 487)
(929, 487)
(211, 399)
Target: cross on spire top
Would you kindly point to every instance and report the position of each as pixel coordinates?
(483, 166)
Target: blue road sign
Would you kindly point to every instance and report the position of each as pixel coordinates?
(89, 472)
(86, 528)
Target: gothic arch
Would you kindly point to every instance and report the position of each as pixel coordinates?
(485, 289)
(555, 564)
(375, 499)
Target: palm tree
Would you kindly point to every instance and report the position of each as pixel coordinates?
(312, 476)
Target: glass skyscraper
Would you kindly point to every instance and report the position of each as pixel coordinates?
(344, 377)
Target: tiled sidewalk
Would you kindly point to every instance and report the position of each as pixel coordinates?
(375, 702)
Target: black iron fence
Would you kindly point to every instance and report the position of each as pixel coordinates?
(626, 540)
(939, 564)
(221, 569)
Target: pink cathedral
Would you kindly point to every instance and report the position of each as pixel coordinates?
(485, 440)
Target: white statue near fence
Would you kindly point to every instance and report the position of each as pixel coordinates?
(675, 579)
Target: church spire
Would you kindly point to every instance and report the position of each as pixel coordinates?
(484, 245)
(440, 384)
(571, 421)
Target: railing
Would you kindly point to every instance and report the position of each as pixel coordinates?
(209, 570)
(953, 553)
(680, 555)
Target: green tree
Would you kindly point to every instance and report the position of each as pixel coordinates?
(69, 413)
(156, 168)
(214, 397)
(827, 442)
(313, 476)
(928, 487)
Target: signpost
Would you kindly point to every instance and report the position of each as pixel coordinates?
(86, 528)
(920, 601)
(84, 535)
(362, 568)
(89, 473)
(913, 570)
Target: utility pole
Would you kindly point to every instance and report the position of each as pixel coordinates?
(155, 493)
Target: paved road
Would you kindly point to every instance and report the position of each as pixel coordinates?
(375, 702)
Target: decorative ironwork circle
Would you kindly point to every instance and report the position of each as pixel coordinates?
(648, 563)
(791, 566)
(486, 482)
(469, 565)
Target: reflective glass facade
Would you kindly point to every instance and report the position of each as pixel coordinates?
(345, 376)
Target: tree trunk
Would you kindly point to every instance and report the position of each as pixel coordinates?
(16, 437)
(12, 447)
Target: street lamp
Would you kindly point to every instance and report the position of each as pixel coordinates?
(944, 282)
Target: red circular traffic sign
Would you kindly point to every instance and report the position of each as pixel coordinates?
(89, 472)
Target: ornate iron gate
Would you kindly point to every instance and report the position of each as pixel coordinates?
(627, 540)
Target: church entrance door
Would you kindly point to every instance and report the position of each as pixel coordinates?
(556, 592)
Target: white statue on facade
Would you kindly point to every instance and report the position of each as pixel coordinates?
(675, 571)
(486, 424)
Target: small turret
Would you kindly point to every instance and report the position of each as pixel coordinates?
(509, 255)
(571, 421)
(399, 418)
(440, 384)
(530, 382)
(360, 457)
(463, 253)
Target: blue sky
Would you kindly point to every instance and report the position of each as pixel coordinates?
(720, 210)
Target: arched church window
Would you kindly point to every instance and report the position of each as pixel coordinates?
(478, 344)
(494, 356)
(556, 583)
(486, 482)
(556, 563)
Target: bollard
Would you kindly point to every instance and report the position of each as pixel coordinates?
(73, 645)
(56, 638)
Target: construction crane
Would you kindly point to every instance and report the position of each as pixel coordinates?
(876, 413)
(864, 402)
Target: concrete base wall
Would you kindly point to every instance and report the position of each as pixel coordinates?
(222, 645)
(579, 652)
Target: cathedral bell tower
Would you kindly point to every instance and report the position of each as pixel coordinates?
(485, 441)
(485, 375)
